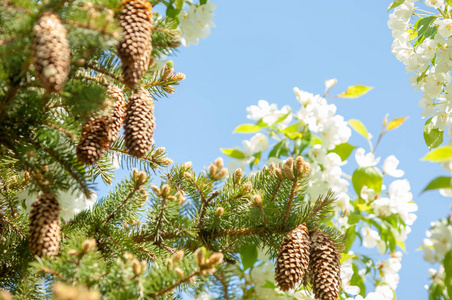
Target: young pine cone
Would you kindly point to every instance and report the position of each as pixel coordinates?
(136, 45)
(51, 56)
(139, 124)
(325, 267)
(102, 129)
(293, 258)
(44, 239)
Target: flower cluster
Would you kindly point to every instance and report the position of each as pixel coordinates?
(428, 55)
(438, 241)
(195, 23)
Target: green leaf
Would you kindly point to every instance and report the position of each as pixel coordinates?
(449, 2)
(359, 127)
(433, 137)
(425, 29)
(343, 150)
(293, 131)
(234, 153)
(351, 236)
(441, 182)
(447, 263)
(397, 122)
(355, 91)
(279, 149)
(395, 4)
(202, 2)
(358, 281)
(367, 176)
(354, 219)
(261, 123)
(346, 256)
(282, 117)
(172, 12)
(246, 128)
(269, 285)
(248, 254)
(441, 154)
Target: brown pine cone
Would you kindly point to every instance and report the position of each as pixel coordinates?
(44, 239)
(51, 56)
(293, 258)
(139, 124)
(325, 267)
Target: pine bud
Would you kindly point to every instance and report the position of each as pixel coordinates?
(247, 187)
(166, 161)
(257, 200)
(215, 259)
(188, 175)
(88, 245)
(302, 166)
(142, 177)
(288, 169)
(219, 211)
(128, 256)
(165, 190)
(159, 151)
(156, 189)
(136, 267)
(213, 170)
(177, 256)
(200, 256)
(187, 165)
(219, 162)
(179, 272)
(278, 173)
(238, 175)
(223, 172)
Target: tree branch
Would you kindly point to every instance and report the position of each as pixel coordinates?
(289, 203)
(171, 287)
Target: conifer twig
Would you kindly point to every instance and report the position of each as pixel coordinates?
(123, 203)
(173, 286)
(14, 226)
(53, 272)
(102, 31)
(105, 72)
(223, 283)
(289, 203)
(275, 192)
(248, 232)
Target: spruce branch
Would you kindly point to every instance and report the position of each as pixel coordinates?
(102, 31)
(175, 285)
(105, 72)
(224, 284)
(289, 203)
(4, 218)
(136, 188)
(53, 272)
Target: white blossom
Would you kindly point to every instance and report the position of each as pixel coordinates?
(390, 167)
(365, 160)
(195, 23)
(434, 3)
(269, 113)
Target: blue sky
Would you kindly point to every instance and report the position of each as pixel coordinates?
(261, 50)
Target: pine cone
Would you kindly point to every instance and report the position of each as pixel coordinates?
(135, 47)
(133, 72)
(51, 54)
(102, 129)
(44, 226)
(293, 258)
(325, 267)
(139, 124)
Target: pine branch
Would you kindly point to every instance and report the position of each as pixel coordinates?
(53, 272)
(172, 287)
(289, 203)
(223, 283)
(102, 31)
(123, 203)
(4, 218)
